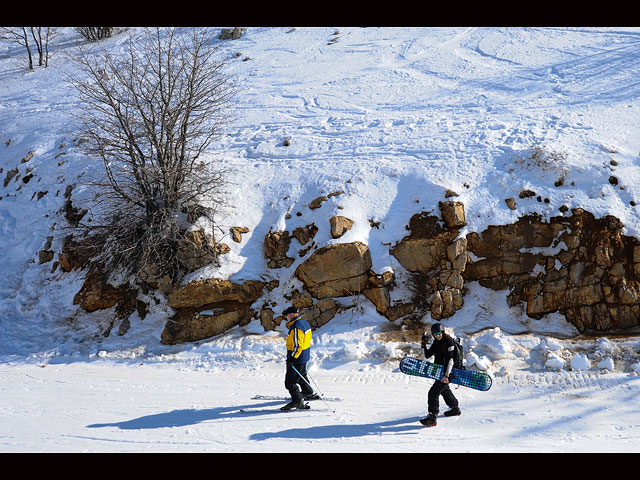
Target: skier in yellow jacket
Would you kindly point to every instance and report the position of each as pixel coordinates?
(298, 354)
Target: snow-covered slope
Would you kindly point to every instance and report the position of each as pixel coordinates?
(394, 117)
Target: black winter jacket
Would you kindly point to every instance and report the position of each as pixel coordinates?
(442, 350)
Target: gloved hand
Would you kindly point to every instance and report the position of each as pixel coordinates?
(423, 341)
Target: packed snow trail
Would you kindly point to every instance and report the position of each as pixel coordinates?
(105, 406)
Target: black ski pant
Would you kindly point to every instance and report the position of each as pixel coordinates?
(438, 388)
(297, 382)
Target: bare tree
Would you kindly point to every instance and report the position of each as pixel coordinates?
(40, 36)
(149, 114)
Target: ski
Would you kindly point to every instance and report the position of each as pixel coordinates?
(279, 410)
(281, 397)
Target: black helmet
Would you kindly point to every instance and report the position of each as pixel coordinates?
(437, 328)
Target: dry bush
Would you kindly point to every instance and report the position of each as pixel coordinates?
(149, 115)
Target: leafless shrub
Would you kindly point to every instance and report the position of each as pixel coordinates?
(95, 34)
(543, 158)
(149, 114)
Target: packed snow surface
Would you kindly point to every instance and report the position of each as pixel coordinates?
(393, 117)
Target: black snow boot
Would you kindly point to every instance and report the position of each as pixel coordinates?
(454, 412)
(298, 405)
(429, 420)
(312, 396)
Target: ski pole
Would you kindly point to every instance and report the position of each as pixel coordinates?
(305, 381)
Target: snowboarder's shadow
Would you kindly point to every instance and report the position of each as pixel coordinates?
(190, 416)
(403, 425)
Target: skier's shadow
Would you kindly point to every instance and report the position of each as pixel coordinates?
(404, 425)
(190, 416)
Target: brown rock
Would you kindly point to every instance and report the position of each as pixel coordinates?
(336, 270)
(74, 254)
(339, 225)
(189, 326)
(381, 280)
(97, 294)
(267, 321)
(236, 233)
(317, 203)
(213, 291)
(453, 214)
(306, 233)
(422, 255)
(45, 256)
(196, 249)
(276, 246)
(321, 313)
(379, 296)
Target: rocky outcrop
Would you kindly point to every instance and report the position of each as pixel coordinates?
(231, 33)
(574, 264)
(435, 252)
(214, 291)
(579, 266)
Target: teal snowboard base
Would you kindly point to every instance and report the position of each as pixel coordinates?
(467, 378)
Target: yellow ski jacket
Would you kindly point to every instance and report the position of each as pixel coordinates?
(298, 340)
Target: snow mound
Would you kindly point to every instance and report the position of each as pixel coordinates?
(554, 361)
(580, 362)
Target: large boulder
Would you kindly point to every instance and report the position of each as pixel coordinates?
(215, 291)
(188, 325)
(426, 246)
(422, 255)
(209, 307)
(337, 270)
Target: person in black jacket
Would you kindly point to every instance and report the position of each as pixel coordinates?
(442, 349)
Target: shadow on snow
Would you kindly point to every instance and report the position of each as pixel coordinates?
(185, 417)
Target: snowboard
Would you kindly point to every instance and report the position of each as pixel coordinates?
(467, 378)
